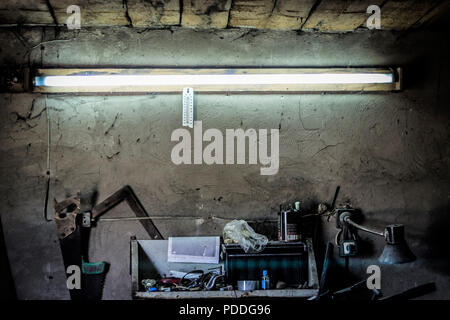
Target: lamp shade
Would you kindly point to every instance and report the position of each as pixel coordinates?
(396, 250)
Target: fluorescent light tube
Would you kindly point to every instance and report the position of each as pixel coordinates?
(208, 79)
(289, 80)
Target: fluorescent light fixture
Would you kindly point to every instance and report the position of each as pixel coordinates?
(206, 79)
(215, 80)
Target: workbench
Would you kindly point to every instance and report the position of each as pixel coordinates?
(149, 259)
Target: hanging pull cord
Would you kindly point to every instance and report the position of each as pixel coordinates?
(48, 163)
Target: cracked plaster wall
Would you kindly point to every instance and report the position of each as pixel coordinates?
(389, 152)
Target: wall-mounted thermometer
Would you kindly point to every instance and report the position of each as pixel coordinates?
(188, 107)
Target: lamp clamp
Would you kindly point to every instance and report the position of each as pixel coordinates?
(344, 213)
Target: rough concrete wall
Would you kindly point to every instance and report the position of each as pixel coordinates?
(389, 151)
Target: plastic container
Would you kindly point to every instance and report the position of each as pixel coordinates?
(245, 285)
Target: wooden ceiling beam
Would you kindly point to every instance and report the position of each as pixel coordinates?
(154, 13)
(289, 14)
(306, 15)
(205, 13)
(93, 13)
(401, 15)
(442, 8)
(250, 13)
(338, 16)
(25, 12)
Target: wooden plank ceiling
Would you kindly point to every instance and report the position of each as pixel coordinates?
(304, 15)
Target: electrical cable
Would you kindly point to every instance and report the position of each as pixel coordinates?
(47, 192)
(358, 226)
(205, 281)
(191, 282)
(213, 281)
(125, 219)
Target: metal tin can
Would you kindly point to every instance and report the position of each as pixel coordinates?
(288, 226)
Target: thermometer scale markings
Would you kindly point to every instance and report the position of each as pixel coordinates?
(188, 107)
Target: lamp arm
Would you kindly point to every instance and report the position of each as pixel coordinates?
(360, 227)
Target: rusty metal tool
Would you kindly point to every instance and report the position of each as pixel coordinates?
(73, 229)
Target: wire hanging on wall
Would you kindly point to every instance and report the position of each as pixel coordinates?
(48, 163)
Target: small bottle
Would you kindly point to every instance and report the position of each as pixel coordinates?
(265, 281)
